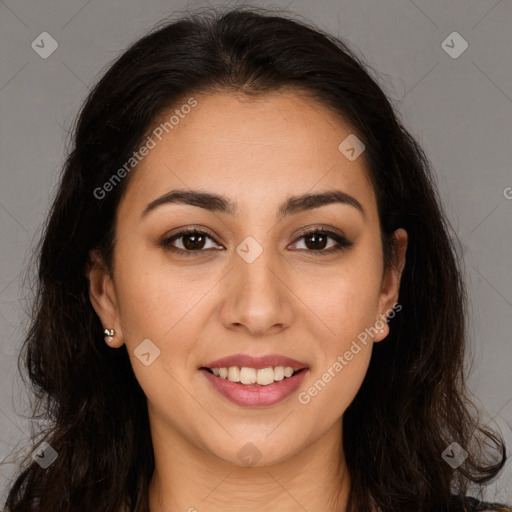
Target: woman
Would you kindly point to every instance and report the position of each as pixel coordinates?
(248, 295)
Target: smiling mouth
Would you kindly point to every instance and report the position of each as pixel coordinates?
(247, 376)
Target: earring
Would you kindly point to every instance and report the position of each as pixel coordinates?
(109, 335)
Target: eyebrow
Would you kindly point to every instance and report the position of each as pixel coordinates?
(222, 204)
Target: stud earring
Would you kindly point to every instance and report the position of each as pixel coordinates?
(109, 335)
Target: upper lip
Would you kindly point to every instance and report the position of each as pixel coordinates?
(256, 362)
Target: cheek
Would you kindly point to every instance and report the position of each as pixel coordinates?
(334, 382)
(155, 306)
(151, 298)
(141, 300)
(345, 300)
(165, 306)
(347, 306)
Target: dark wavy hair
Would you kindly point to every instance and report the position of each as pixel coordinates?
(414, 400)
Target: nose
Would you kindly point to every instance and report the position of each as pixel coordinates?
(258, 298)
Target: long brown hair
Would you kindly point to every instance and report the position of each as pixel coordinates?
(413, 402)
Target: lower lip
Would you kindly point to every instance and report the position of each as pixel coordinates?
(256, 395)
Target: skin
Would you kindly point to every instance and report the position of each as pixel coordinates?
(296, 303)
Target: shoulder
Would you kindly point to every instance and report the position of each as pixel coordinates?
(470, 504)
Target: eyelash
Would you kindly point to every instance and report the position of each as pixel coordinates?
(343, 243)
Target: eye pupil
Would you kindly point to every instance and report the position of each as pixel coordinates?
(316, 245)
(196, 243)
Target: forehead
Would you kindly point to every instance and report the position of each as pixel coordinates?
(257, 150)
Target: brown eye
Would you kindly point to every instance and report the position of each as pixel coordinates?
(192, 241)
(316, 241)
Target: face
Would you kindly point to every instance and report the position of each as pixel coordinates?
(252, 282)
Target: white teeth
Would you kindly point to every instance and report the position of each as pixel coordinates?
(265, 376)
(246, 375)
(288, 372)
(234, 374)
(279, 373)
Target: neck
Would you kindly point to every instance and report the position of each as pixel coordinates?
(188, 479)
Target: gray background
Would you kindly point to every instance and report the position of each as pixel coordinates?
(459, 110)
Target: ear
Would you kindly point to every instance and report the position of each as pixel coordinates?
(102, 296)
(391, 281)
